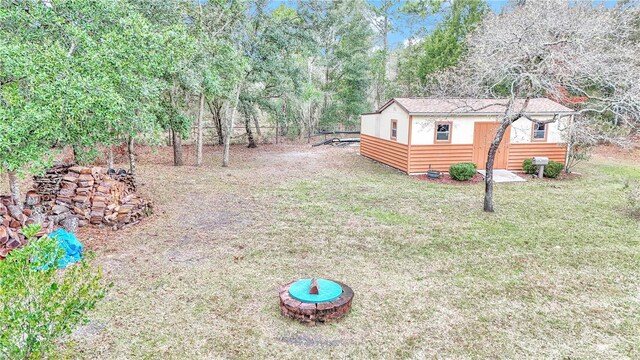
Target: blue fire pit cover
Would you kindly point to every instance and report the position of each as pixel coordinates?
(327, 291)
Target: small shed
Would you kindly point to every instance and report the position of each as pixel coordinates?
(415, 134)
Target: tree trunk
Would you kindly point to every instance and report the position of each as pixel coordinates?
(110, 160)
(177, 148)
(309, 129)
(14, 188)
(247, 126)
(199, 135)
(284, 113)
(381, 88)
(488, 189)
(76, 154)
(217, 120)
(257, 125)
(132, 156)
(310, 123)
(175, 136)
(277, 130)
(230, 114)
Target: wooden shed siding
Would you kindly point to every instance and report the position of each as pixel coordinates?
(440, 157)
(385, 151)
(519, 152)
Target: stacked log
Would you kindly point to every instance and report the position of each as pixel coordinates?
(47, 186)
(71, 197)
(100, 197)
(13, 218)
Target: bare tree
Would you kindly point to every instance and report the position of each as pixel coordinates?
(230, 112)
(132, 156)
(14, 188)
(582, 134)
(554, 49)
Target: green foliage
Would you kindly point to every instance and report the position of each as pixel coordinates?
(76, 73)
(443, 47)
(39, 305)
(462, 171)
(85, 155)
(28, 83)
(423, 8)
(275, 48)
(528, 167)
(553, 169)
(349, 84)
(199, 56)
(407, 79)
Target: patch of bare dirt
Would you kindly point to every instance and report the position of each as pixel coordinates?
(219, 201)
(617, 152)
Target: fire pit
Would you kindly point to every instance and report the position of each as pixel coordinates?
(313, 301)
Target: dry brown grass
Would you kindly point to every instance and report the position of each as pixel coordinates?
(552, 274)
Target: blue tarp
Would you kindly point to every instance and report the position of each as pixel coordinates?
(72, 247)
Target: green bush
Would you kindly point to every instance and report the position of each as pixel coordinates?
(553, 169)
(462, 171)
(39, 303)
(528, 167)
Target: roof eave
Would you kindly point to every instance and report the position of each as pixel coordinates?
(490, 114)
(388, 103)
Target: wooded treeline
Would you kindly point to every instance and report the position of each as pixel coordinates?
(106, 72)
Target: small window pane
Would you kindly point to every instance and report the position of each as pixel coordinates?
(442, 132)
(443, 127)
(539, 131)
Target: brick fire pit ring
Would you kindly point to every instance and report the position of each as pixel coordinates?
(308, 311)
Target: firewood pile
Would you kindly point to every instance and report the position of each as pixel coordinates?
(71, 197)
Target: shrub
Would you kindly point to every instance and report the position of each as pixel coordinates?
(553, 169)
(462, 171)
(528, 167)
(632, 190)
(39, 303)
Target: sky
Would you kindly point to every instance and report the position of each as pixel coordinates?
(404, 29)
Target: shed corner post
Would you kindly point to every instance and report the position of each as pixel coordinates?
(409, 146)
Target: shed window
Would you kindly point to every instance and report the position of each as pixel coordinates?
(443, 131)
(394, 129)
(539, 131)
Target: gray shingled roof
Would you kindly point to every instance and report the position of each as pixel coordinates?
(473, 106)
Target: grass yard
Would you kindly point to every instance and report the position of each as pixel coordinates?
(554, 273)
